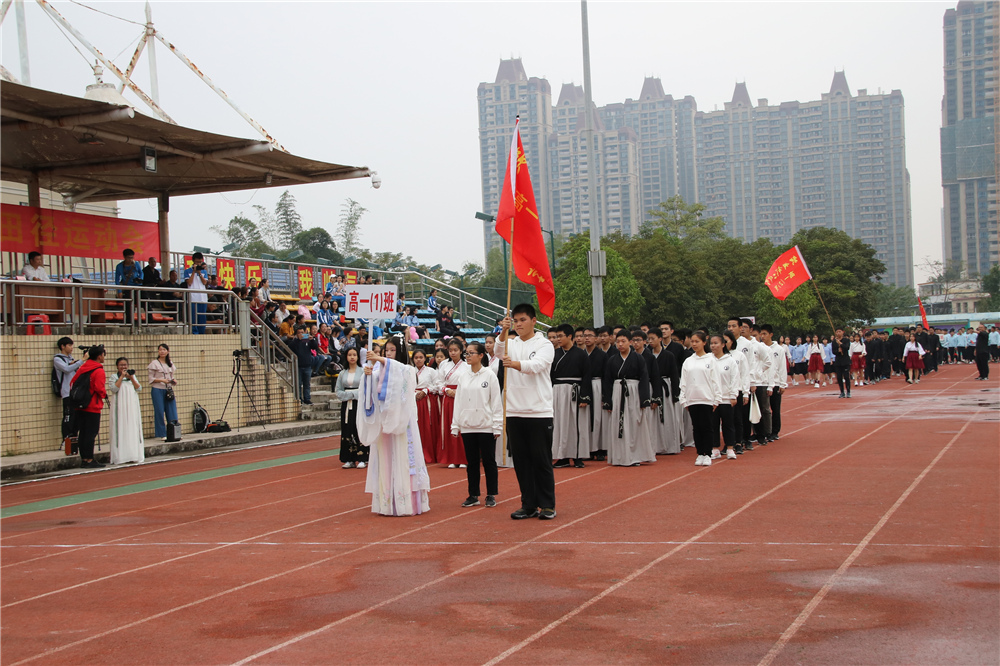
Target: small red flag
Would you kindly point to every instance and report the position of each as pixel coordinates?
(786, 274)
(517, 203)
(923, 313)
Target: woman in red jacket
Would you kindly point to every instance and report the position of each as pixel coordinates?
(88, 418)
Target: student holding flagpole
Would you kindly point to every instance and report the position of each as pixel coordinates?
(527, 357)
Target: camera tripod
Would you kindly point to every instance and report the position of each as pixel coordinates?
(238, 375)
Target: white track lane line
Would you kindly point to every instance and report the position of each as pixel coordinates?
(282, 573)
(794, 627)
(638, 572)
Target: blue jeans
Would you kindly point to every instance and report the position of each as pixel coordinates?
(198, 318)
(160, 408)
(320, 362)
(305, 380)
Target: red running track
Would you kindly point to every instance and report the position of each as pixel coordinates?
(870, 533)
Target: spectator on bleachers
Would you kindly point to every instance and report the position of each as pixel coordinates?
(256, 305)
(172, 293)
(432, 302)
(252, 283)
(264, 291)
(305, 349)
(213, 284)
(283, 311)
(33, 270)
(196, 278)
(150, 276)
(128, 271)
(325, 315)
(445, 322)
(320, 359)
(286, 329)
(274, 322)
(338, 296)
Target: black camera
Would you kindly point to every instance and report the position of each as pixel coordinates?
(131, 372)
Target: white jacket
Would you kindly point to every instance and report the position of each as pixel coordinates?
(529, 391)
(744, 348)
(478, 407)
(760, 372)
(777, 375)
(700, 383)
(744, 367)
(730, 382)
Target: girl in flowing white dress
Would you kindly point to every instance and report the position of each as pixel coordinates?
(397, 475)
(127, 444)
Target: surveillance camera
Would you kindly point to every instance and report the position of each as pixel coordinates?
(376, 180)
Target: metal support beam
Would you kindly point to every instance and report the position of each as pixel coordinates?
(34, 191)
(51, 11)
(596, 280)
(114, 187)
(22, 41)
(154, 78)
(104, 164)
(219, 91)
(162, 219)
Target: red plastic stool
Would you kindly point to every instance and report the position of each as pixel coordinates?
(38, 318)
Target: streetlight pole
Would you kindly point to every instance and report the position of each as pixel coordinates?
(596, 259)
(552, 247)
(503, 244)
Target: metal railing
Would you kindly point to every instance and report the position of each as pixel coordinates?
(274, 354)
(78, 307)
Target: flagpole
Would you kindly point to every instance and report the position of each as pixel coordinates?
(833, 329)
(510, 278)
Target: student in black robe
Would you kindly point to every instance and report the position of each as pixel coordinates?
(625, 392)
(571, 396)
(599, 419)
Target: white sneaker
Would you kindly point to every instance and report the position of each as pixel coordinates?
(731, 454)
(824, 383)
(362, 465)
(452, 466)
(699, 461)
(715, 454)
(708, 461)
(795, 383)
(348, 465)
(463, 466)
(816, 385)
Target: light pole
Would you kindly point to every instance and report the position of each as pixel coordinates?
(552, 247)
(493, 220)
(596, 259)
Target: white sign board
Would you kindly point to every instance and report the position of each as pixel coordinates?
(370, 301)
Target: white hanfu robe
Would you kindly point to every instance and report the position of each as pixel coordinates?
(127, 443)
(387, 422)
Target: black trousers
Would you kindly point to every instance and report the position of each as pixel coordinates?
(930, 362)
(723, 417)
(69, 419)
(995, 352)
(701, 426)
(983, 364)
(90, 425)
(739, 413)
(481, 446)
(747, 428)
(870, 369)
(530, 442)
(775, 412)
(762, 429)
(843, 377)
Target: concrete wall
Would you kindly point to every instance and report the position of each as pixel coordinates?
(30, 415)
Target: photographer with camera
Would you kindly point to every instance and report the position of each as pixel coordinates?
(161, 380)
(305, 349)
(65, 367)
(196, 279)
(127, 444)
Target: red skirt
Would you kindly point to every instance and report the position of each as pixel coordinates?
(816, 363)
(452, 450)
(857, 361)
(914, 361)
(428, 420)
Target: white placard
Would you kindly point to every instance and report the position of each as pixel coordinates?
(370, 301)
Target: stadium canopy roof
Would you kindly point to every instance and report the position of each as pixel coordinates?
(89, 149)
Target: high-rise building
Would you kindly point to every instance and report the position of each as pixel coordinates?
(511, 94)
(840, 162)
(767, 170)
(969, 135)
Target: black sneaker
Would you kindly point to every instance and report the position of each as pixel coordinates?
(521, 514)
(562, 462)
(748, 446)
(842, 395)
(775, 437)
(546, 514)
(491, 501)
(471, 501)
(762, 442)
(739, 449)
(578, 463)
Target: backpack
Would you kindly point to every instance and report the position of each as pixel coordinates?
(56, 379)
(200, 418)
(80, 394)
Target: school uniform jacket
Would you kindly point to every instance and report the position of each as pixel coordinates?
(529, 390)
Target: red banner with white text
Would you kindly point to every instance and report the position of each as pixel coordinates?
(69, 234)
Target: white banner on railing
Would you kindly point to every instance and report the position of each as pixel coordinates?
(371, 301)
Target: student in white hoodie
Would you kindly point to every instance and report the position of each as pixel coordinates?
(478, 417)
(777, 380)
(528, 357)
(727, 368)
(701, 394)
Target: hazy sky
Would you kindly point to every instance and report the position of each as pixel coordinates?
(392, 86)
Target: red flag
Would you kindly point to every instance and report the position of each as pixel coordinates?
(517, 203)
(787, 272)
(923, 313)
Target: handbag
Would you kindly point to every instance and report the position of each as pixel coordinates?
(754, 410)
(169, 396)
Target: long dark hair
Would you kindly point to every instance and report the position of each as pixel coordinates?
(402, 354)
(729, 334)
(167, 359)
